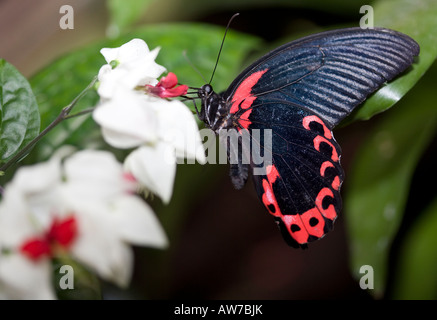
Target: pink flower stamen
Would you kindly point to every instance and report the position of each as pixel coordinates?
(167, 87)
(36, 248)
(61, 232)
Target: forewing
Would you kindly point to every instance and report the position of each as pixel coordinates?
(327, 74)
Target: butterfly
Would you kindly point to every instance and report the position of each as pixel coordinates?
(300, 91)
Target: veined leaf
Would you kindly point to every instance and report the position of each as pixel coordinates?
(19, 116)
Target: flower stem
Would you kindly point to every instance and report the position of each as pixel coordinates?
(80, 113)
(62, 116)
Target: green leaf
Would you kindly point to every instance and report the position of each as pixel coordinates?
(416, 277)
(59, 83)
(417, 19)
(125, 13)
(379, 179)
(19, 117)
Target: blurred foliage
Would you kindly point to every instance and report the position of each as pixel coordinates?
(123, 16)
(378, 183)
(416, 275)
(379, 180)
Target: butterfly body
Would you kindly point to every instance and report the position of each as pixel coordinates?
(301, 91)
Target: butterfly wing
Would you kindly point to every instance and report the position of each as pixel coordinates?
(301, 186)
(300, 91)
(329, 73)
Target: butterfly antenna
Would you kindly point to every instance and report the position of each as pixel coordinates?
(221, 47)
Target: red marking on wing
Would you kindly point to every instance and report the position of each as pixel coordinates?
(324, 166)
(243, 93)
(308, 119)
(330, 211)
(300, 225)
(296, 228)
(317, 229)
(318, 140)
(272, 173)
(269, 199)
(336, 183)
(297, 225)
(244, 119)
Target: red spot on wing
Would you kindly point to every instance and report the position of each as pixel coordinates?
(306, 124)
(323, 167)
(243, 93)
(244, 119)
(296, 225)
(243, 98)
(336, 183)
(330, 211)
(272, 173)
(318, 140)
(296, 228)
(268, 197)
(314, 222)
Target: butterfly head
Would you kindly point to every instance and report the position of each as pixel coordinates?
(213, 107)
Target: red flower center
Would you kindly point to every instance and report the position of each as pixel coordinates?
(167, 87)
(61, 233)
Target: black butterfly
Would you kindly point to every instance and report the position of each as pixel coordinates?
(301, 91)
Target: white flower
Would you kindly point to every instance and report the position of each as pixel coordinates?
(161, 130)
(135, 66)
(20, 277)
(126, 120)
(87, 208)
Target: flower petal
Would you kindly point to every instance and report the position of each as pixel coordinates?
(154, 167)
(99, 246)
(39, 177)
(93, 176)
(126, 120)
(24, 279)
(179, 128)
(129, 51)
(137, 223)
(136, 67)
(22, 216)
